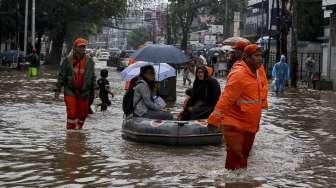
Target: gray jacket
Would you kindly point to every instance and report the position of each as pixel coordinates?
(143, 100)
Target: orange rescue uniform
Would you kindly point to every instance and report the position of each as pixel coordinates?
(238, 112)
(77, 108)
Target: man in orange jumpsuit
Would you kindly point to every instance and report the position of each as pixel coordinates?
(77, 77)
(238, 110)
(238, 55)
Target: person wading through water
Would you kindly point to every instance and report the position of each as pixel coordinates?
(77, 77)
(238, 110)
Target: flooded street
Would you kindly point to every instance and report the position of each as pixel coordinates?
(294, 148)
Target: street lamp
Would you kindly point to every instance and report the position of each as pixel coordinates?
(25, 29)
(153, 22)
(33, 23)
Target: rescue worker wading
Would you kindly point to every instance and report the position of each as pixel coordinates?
(238, 110)
(237, 57)
(77, 76)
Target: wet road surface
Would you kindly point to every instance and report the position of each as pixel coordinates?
(294, 148)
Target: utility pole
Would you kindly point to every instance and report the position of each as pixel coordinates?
(262, 20)
(26, 29)
(278, 43)
(17, 34)
(33, 23)
(294, 59)
(226, 18)
(268, 49)
(169, 37)
(154, 31)
(284, 27)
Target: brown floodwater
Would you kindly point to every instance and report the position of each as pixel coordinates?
(295, 146)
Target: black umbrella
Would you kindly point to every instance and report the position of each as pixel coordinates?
(160, 53)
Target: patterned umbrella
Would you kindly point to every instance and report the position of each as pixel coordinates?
(162, 71)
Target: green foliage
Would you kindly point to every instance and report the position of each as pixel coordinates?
(218, 9)
(73, 17)
(138, 37)
(79, 17)
(183, 12)
(11, 18)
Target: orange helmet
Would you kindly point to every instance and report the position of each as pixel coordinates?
(251, 49)
(241, 44)
(80, 42)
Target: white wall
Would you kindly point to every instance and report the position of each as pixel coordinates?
(328, 2)
(325, 60)
(333, 66)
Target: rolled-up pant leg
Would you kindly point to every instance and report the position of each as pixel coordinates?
(71, 108)
(77, 111)
(82, 111)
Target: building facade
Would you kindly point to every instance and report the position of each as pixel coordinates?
(115, 36)
(257, 18)
(329, 42)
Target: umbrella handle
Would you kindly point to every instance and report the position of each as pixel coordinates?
(159, 72)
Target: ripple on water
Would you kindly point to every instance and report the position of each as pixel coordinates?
(35, 149)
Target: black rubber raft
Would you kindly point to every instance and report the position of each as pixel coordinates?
(174, 133)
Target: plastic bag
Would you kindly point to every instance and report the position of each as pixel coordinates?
(159, 101)
(273, 85)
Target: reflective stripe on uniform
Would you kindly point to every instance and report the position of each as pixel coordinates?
(72, 121)
(216, 113)
(252, 101)
(76, 70)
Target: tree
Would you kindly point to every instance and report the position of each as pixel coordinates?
(294, 59)
(306, 27)
(62, 20)
(138, 37)
(11, 21)
(224, 10)
(59, 19)
(173, 26)
(71, 19)
(184, 11)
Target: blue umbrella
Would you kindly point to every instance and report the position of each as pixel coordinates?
(160, 53)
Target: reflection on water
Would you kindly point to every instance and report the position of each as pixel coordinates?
(74, 155)
(295, 146)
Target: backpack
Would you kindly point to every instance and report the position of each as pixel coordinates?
(127, 103)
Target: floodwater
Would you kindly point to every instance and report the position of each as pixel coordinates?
(295, 146)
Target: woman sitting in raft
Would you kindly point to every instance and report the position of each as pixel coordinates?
(143, 101)
(203, 97)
